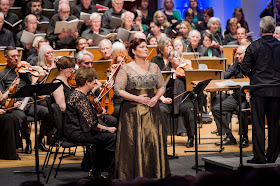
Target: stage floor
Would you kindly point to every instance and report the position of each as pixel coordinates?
(71, 169)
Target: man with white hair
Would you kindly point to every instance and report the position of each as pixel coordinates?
(67, 38)
(193, 44)
(86, 7)
(95, 27)
(105, 48)
(6, 36)
(115, 11)
(262, 65)
(127, 18)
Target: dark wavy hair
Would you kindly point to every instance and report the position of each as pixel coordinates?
(133, 45)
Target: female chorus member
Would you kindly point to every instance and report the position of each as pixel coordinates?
(140, 148)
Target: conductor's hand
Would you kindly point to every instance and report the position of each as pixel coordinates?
(153, 102)
(143, 99)
(112, 129)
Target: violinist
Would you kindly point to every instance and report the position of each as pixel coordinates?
(184, 112)
(85, 59)
(119, 58)
(9, 131)
(46, 57)
(8, 75)
(65, 65)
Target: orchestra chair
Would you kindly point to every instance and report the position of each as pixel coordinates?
(64, 52)
(229, 52)
(95, 51)
(190, 55)
(152, 52)
(63, 143)
(102, 68)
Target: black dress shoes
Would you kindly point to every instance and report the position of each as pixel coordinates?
(253, 160)
(182, 134)
(28, 149)
(215, 131)
(245, 143)
(227, 141)
(189, 143)
(42, 147)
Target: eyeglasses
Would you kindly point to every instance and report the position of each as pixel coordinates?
(14, 56)
(65, 12)
(88, 63)
(128, 17)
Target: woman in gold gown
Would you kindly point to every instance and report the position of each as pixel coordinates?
(140, 148)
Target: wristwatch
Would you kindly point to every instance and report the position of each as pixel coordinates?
(106, 129)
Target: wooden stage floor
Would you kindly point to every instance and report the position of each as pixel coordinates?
(206, 144)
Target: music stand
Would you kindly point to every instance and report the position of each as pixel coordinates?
(166, 76)
(34, 91)
(193, 97)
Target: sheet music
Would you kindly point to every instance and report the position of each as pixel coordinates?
(232, 83)
(24, 103)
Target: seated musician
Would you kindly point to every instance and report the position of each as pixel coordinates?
(66, 39)
(207, 43)
(8, 75)
(95, 27)
(241, 34)
(85, 59)
(37, 43)
(46, 58)
(186, 116)
(119, 58)
(82, 125)
(9, 131)
(231, 103)
(105, 48)
(65, 65)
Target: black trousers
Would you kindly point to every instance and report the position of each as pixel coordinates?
(105, 153)
(184, 120)
(9, 136)
(42, 114)
(269, 107)
(229, 105)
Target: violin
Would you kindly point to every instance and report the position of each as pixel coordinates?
(95, 104)
(10, 101)
(24, 68)
(107, 94)
(180, 71)
(72, 81)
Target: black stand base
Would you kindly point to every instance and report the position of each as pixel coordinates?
(174, 156)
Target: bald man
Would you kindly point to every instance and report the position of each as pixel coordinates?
(231, 103)
(30, 22)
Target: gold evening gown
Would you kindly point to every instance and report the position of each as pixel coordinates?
(140, 148)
